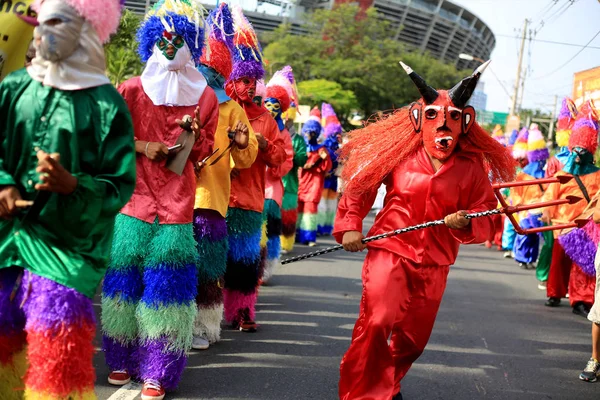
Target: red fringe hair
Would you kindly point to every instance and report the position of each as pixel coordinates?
(375, 150)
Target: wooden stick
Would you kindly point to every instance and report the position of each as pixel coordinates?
(23, 203)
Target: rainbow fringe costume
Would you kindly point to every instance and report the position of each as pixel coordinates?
(243, 264)
(148, 299)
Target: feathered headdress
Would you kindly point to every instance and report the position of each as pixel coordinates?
(247, 55)
(566, 119)
(182, 17)
(330, 121)
(219, 43)
(103, 15)
(519, 150)
(281, 87)
(536, 145)
(585, 129)
(313, 124)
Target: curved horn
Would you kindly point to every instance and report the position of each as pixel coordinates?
(462, 92)
(429, 94)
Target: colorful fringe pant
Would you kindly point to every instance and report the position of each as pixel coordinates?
(400, 302)
(270, 242)
(527, 247)
(244, 229)
(307, 222)
(289, 218)
(50, 328)
(326, 212)
(210, 231)
(148, 299)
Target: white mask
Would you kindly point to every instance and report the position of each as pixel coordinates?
(183, 56)
(58, 41)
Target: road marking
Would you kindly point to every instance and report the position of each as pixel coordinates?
(485, 343)
(127, 392)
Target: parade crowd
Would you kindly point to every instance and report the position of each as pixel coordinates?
(178, 192)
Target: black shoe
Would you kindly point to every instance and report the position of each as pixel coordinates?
(581, 309)
(591, 371)
(523, 265)
(552, 302)
(397, 397)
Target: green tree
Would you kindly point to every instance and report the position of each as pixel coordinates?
(122, 60)
(357, 53)
(315, 92)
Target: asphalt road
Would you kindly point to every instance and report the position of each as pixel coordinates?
(493, 339)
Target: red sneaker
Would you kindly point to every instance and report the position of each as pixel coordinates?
(248, 326)
(152, 390)
(119, 378)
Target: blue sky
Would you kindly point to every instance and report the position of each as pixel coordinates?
(577, 24)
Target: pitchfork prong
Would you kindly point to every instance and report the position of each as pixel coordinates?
(562, 179)
(581, 222)
(574, 199)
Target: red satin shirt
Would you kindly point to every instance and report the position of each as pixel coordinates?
(159, 191)
(416, 193)
(311, 181)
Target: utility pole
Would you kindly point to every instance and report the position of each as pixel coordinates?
(516, 92)
(551, 129)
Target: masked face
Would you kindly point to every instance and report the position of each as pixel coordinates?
(245, 89)
(441, 124)
(169, 44)
(57, 35)
(173, 58)
(272, 104)
(583, 157)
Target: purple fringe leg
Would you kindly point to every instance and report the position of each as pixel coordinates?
(581, 249)
(121, 356)
(161, 365)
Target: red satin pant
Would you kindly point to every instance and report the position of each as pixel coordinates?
(400, 302)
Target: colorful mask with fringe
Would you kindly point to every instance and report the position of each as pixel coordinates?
(441, 117)
(169, 44)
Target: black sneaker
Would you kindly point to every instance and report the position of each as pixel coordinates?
(552, 302)
(397, 397)
(591, 371)
(581, 309)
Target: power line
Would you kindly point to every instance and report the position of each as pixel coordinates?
(550, 41)
(570, 59)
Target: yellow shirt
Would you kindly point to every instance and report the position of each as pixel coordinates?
(214, 185)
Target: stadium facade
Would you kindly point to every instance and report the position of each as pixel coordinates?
(439, 27)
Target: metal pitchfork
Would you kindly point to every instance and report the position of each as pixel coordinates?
(506, 209)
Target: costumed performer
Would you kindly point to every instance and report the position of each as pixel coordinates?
(66, 145)
(567, 276)
(214, 181)
(244, 217)
(328, 204)
(272, 223)
(148, 296)
(311, 179)
(527, 247)
(447, 155)
(517, 145)
(289, 204)
(566, 118)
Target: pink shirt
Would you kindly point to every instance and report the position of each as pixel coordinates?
(159, 192)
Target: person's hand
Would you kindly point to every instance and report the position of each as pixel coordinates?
(308, 166)
(262, 142)
(241, 137)
(156, 151)
(545, 218)
(352, 241)
(235, 173)
(8, 198)
(323, 154)
(457, 220)
(196, 125)
(198, 168)
(54, 177)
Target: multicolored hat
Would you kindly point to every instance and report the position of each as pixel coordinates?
(219, 43)
(520, 147)
(313, 124)
(281, 87)
(103, 15)
(330, 121)
(247, 54)
(499, 135)
(536, 145)
(566, 119)
(585, 129)
(181, 17)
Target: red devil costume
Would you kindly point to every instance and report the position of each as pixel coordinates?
(434, 160)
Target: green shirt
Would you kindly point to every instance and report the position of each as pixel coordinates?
(290, 181)
(69, 241)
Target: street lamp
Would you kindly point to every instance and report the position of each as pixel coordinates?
(469, 57)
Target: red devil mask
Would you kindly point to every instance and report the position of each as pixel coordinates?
(443, 116)
(243, 89)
